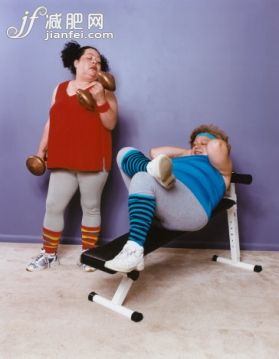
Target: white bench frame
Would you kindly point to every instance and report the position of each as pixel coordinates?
(116, 303)
(235, 259)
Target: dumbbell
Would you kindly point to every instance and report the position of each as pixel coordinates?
(36, 165)
(84, 96)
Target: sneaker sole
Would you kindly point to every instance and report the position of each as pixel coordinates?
(139, 267)
(165, 178)
(37, 269)
(89, 269)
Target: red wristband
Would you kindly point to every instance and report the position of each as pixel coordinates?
(103, 108)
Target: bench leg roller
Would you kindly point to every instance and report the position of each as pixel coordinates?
(134, 316)
(91, 296)
(239, 264)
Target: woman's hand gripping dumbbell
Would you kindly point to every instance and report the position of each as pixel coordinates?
(86, 99)
(36, 164)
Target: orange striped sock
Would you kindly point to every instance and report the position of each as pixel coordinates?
(51, 240)
(89, 236)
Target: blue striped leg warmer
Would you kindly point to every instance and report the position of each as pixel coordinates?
(141, 213)
(134, 161)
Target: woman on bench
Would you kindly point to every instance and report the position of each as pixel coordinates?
(181, 187)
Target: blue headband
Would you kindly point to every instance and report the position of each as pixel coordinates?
(206, 134)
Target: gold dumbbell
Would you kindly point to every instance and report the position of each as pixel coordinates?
(36, 165)
(84, 96)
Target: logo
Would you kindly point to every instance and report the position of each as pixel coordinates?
(27, 24)
(62, 26)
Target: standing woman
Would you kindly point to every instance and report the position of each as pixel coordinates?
(78, 147)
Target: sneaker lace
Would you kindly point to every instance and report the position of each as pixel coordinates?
(130, 251)
(46, 258)
(39, 256)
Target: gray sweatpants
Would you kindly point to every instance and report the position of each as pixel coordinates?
(177, 208)
(62, 186)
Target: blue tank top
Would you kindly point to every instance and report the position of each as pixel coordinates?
(203, 180)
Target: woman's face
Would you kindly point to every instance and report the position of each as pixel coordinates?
(200, 145)
(88, 65)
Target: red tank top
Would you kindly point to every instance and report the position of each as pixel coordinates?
(77, 138)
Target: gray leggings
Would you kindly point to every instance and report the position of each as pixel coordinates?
(177, 208)
(62, 186)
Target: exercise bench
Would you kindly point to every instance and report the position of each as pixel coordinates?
(157, 238)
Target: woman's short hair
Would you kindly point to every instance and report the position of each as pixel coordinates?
(212, 129)
(73, 51)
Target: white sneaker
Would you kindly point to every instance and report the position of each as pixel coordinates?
(161, 169)
(42, 261)
(130, 258)
(85, 267)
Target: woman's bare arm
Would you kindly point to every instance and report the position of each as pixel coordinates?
(169, 151)
(218, 155)
(43, 145)
(109, 118)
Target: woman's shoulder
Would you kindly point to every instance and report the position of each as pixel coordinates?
(63, 84)
(62, 87)
(59, 90)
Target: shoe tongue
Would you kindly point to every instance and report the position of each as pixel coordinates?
(130, 250)
(132, 245)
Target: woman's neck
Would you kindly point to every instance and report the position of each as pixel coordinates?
(81, 84)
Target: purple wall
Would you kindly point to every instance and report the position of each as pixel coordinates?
(177, 64)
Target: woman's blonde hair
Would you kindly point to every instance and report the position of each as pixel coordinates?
(213, 130)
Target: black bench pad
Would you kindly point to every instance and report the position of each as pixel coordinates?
(97, 257)
(157, 237)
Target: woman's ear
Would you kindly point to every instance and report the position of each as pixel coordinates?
(75, 63)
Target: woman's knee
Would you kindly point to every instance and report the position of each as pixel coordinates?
(122, 153)
(91, 212)
(54, 207)
(142, 182)
(90, 204)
